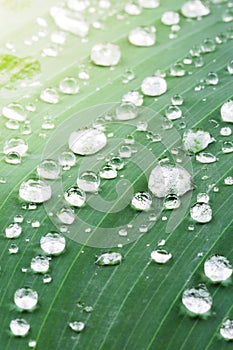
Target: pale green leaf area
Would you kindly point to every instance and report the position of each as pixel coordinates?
(137, 304)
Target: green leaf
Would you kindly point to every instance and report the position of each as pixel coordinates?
(137, 304)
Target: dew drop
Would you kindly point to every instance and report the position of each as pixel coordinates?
(228, 180)
(141, 201)
(212, 78)
(13, 231)
(19, 327)
(149, 4)
(13, 158)
(227, 147)
(177, 100)
(194, 9)
(171, 202)
(67, 160)
(227, 111)
(133, 9)
(161, 256)
(225, 131)
(15, 145)
(35, 191)
(142, 36)
(170, 18)
(177, 70)
(226, 330)
(117, 163)
(125, 152)
(196, 141)
(108, 172)
(87, 141)
(77, 326)
(69, 86)
(32, 344)
(40, 264)
(66, 215)
(133, 97)
(12, 124)
(230, 67)
(49, 169)
(50, 95)
(203, 197)
(197, 300)
(88, 181)
(217, 268)
(201, 212)
(206, 158)
(13, 249)
(109, 259)
(14, 111)
(154, 86)
(208, 45)
(47, 278)
(25, 298)
(126, 111)
(53, 243)
(105, 54)
(173, 112)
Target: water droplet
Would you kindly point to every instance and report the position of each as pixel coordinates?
(13, 249)
(170, 18)
(108, 259)
(40, 264)
(32, 344)
(197, 300)
(108, 172)
(67, 160)
(48, 123)
(230, 67)
(15, 145)
(206, 158)
(13, 158)
(142, 36)
(208, 45)
(49, 169)
(47, 279)
(58, 38)
(212, 78)
(66, 215)
(117, 163)
(105, 54)
(141, 201)
(88, 181)
(227, 147)
(167, 179)
(228, 180)
(143, 228)
(123, 232)
(177, 100)
(35, 191)
(88, 309)
(133, 97)
(13, 230)
(53, 243)
(154, 86)
(142, 126)
(173, 112)
(87, 141)
(227, 15)
(194, 9)
(196, 141)
(161, 256)
(171, 202)
(12, 124)
(69, 21)
(226, 329)
(177, 70)
(69, 86)
(227, 111)
(77, 326)
(149, 4)
(14, 111)
(133, 9)
(217, 268)
(19, 327)
(225, 131)
(203, 197)
(50, 95)
(125, 151)
(201, 212)
(25, 298)
(126, 111)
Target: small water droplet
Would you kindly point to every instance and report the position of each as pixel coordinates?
(161, 256)
(87, 141)
(154, 86)
(13, 231)
(217, 268)
(109, 259)
(53, 243)
(126, 111)
(40, 264)
(230, 67)
(141, 201)
(123, 232)
(13, 248)
(227, 111)
(13, 158)
(14, 111)
(108, 172)
(208, 45)
(225, 131)
(117, 163)
(206, 158)
(177, 100)
(133, 9)
(171, 202)
(12, 124)
(226, 330)
(133, 97)
(170, 18)
(125, 151)
(47, 278)
(201, 212)
(177, 70)
(49, 169)
(15, 145)
(173, 112)
(149, 4)
(77, 326)
(19, 327)
(32, 344)
(106, 54)
(203, 197)
(227, 147)
(197, 300)
(228, 180)
(212, 78)
(69, 86)
(194, 9)
(142, 36)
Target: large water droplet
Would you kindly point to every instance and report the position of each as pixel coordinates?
(75, 196)
(227, 111)
(142, 36)
(88, 181)
(87, 141)
(16, 145)
(197, 300)
(196, 141)
(126, 111)
(25, 298)
(105, 54)
(141, 201)
(109, 259)
(226, 329)
(49, 169)
(217, 268)
(35, 191)
(69, 21)
(194, 9)
(53, 243)
(154, 86)
(14, 111)
(166, 179)
(201, 212)
(40, 264)
(161, 256)
(19, 327)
